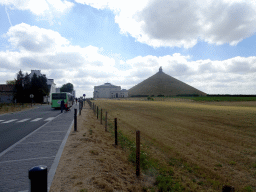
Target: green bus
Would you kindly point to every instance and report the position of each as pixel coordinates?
(58, 97)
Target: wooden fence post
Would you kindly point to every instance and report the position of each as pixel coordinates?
(226, 188)
(101, 116)
(137, 153)
(106, 121)
(116, 131)
(97, 112)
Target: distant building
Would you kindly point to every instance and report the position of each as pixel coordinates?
(108, 90)
(57, 90)
(6, 93)
(74, 93)
(37, 72)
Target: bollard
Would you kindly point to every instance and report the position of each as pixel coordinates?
(138, 153)
(227, 188)
(75, 120)
(115, 131)
(97, 112)
(38, 178)
(106, 121)
(101, 116)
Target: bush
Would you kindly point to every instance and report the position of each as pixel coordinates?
(150, 99)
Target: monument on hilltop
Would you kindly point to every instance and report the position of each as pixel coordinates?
(162, 84)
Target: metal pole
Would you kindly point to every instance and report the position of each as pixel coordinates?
(138, 153)
(38, 178)
(97, 112)
(80, 108)
(75, 120)
(115, 131)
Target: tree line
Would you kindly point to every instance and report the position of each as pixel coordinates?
(24, 86)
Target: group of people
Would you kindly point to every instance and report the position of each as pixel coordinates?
(64, 106)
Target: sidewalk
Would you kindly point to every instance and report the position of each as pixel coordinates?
(41, 147)
(90, 161)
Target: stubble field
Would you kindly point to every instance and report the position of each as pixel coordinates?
(206, 144)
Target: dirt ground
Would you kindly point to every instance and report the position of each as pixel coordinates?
(91, 162)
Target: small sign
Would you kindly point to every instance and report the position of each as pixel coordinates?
(31, 96)
(59, 102)
(84, 95)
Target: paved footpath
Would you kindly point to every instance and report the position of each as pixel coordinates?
(41, 147)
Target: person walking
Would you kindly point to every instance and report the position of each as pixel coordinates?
(76, 100)
(62, 105)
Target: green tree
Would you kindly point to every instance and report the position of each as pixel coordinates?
(10, 82)
(24, 87)
(39, 88)
(27, 88)
(68, 87)
(19, 87)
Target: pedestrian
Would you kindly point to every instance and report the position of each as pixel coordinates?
(76, 100)
(62, 106)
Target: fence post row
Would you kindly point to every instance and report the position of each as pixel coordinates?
(106, 121)
(138, 153)
(224, 189)
(75, 120)
(115, 131)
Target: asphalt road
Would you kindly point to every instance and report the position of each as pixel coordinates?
(15, 126)
(31, 138)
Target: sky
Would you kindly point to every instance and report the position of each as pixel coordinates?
(208, 44)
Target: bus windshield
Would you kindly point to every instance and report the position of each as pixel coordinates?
(59, 96)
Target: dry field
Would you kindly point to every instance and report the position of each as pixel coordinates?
(207, 144)
(10, 108)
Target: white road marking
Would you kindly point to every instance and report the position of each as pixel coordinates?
(49, 119)
(2, 120)
(37, 119)
(10, 121)
(23, 120)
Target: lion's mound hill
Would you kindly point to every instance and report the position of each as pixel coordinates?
(162, 84)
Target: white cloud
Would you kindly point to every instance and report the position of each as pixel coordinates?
(35, 39)
(86, 67)
(45, 9)
(181, 23)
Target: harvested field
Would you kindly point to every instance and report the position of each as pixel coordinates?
(10, 107)
(206, 144)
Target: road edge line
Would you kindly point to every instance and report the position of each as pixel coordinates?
(18, 142)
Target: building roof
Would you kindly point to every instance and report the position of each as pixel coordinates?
(107, 85)
(164, 85)
(6, 88)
